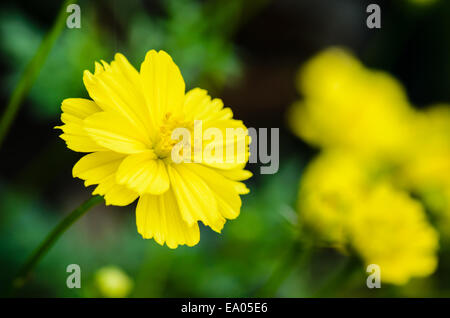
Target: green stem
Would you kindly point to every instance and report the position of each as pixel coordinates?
(339, 279)
(31, 72)
(50, 240)
(297, 256)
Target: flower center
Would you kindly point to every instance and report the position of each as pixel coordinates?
(165, 143)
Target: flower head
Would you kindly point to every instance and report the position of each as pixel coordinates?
(391, 229)
(426, 171)
(351, 195)
(128, 129)
(346, 205)
(349, 106)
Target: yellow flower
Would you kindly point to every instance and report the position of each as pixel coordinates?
(348, 106)
(390, 229)
(113, 282)
(427, 168)
(348, 203)
(329, 188)
(428, 163)
(127, 130)
(351, 195)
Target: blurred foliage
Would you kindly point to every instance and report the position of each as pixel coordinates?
(60, 76)
(422, 2)
(218, 266)
(196, 34)
(197, 37)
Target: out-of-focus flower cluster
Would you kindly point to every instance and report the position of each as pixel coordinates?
(382, 165)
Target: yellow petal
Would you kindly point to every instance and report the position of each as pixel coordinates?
(163, 85)
(100, 168)
(143, 174)
(226, 191)
(198, 105)
(159, 217)
(115, 88)
(235, 174)
(195, 199)
(75, 110)
(232, 143)
(97, 166)
(126, 69)
(131, 90)
(111, 131)
(115, 194)
(79, 107)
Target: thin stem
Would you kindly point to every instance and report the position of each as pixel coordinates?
(31, 72)
(50, 240)
(338, 280)
(297, 256)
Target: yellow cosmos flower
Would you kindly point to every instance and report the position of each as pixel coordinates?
(428, 163)
(390, 229)
(349, 106)
(127, 130)
(329, 188)
(375, 148)
(348, 204)
(427, 169)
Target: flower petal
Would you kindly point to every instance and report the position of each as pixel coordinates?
(143, 174)
(198, 105)
(163, 85)
(115, 88)
(100, 168)
(158, 217)
(96, 166)
(115, 194)
(75, 110)
(235, 174)
(195, 199)
(233, 144)
(111, 131)
(231, 138)
(225, 190)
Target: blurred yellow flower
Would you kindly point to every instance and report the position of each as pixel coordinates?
(375, 148)
(112, 282)
(127, 130)
(428, 164)
(347, 203)
(427, 169)
(390, 229)
(348, 106)
(329, 188)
